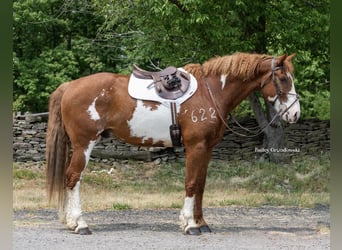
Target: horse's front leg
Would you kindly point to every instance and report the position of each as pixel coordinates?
(197, 159)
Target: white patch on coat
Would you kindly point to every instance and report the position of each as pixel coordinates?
(223, 80)
(187, 214)
(147, 123)
(87, 152)
(94, 115)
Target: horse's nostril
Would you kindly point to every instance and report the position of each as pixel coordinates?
(295, 117)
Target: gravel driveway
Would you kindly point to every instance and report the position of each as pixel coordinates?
(234, 228)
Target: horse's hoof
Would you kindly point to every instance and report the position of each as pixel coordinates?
(205, 229)
(193, 231)
(84, 231)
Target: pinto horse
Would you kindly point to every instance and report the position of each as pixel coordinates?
(83, 110)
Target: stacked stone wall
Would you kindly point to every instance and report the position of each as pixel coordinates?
(307, 137)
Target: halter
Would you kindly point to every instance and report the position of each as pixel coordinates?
(278, 114)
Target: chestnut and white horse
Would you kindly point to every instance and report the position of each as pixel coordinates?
(83, 110)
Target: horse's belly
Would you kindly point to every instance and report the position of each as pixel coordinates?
(150, 125)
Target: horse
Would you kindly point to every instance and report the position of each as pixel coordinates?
(82, 111)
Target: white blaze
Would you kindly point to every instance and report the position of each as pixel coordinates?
(293, 113)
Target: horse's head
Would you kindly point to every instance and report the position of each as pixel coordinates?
(277, 87)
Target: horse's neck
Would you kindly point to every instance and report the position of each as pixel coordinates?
(231, 94)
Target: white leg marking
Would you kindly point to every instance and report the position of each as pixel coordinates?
(94, 115)
(72, 208)
(187, 214)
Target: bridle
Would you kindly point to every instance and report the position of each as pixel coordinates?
(279, 93)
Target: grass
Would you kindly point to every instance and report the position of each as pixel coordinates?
(133, 185)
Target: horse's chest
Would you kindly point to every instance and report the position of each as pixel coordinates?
(150, 125)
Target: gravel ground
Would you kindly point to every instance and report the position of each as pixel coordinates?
(234, 228)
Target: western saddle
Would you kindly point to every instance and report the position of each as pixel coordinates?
(170, 83)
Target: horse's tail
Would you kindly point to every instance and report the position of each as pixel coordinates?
(57, 148)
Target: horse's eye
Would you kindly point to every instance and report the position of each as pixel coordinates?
(283, 80)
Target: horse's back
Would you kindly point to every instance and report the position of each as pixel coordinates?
(97, 80)
(88, 87)
(88, 100)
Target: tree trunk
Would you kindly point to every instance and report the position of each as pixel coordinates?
(273, 134)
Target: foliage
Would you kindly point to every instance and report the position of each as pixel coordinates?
(40, 77)
(55, 41)
(53, 44)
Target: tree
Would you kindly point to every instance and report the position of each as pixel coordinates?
(168, 30)
(55, 41)
(158, 33)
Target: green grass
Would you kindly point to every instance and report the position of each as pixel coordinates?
(120, 206)
(304, 182)
(25, 174)
(303, 175)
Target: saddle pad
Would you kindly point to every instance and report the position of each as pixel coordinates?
(138, 89)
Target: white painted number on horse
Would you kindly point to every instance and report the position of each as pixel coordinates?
(202, 115)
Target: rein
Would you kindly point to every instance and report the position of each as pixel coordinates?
(260, 130)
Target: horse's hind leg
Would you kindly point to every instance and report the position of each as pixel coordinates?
(71, 212)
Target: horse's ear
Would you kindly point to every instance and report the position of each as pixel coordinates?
(280, 60)
(290, 57)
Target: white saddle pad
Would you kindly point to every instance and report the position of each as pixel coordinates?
(141, 89)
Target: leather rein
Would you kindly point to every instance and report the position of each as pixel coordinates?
(278, 114)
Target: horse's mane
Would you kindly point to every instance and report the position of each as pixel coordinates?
(239, 65)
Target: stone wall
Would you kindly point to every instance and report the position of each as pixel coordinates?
(29, 140)
(307, 137)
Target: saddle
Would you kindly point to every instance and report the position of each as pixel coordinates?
(169, 83)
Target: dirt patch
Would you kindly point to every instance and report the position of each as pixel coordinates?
(233, 228)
